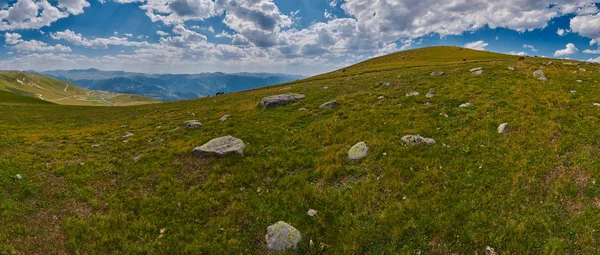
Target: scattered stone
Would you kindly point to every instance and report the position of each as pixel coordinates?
(573, 91)
(510, 68)
(431, 94)
(364, 71)
(96, 145)
(125, 141)
(550, 63)
(399, 76)
(596, 104)
(282, 236)
(192, 124)
(280, 100)
(312, 212)
(348, 79)
(489, 251)
(386, 84)
(437, 73)
(417, 140)
(222, 146)
(503, 128)
(427, 103)
(475, 69)
(574, 72)
(224, 118)
(582, 70)
(358, 151)
(302, 109)
(412, 94)
(330, 104)
(326, 87)
(127, 134)
(540, 75)
(579, 81)
(465, 105)
(479, 72)
(380, 98)
(136, 158)
(18, 177)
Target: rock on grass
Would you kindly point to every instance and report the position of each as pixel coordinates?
(280, 100)
(330, 104)
(503, 128)
(282, 236)
(358, 151)
(192, 124)
(417, 140)
(222, 146)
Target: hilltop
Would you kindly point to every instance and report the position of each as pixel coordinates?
(169, 87)
(87, 187)
(32, 84)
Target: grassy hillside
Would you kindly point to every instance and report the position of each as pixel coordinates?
(32, 84)
(87, 190)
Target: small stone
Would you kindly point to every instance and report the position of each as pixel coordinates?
(95, 145)
(540, 75)
(380, 98)
(325, 87)
(192, 124)
(479, 72)
(224, 118)
(312, 212)
(510, 68)
(431, 94)
(18, 177)
(596, 104)
(465, 105)
(302, 109)
(417, 140)
(358, 151)
(503, 128)
(582, 70)
(412, 94)
(475, 69)
(573, 91)
(427, 103)
(125, 141)
(490, 251)
(127, 134)
(437, 73)
(282, 236)
(550, 63)
(330, 104)
(82, 164)
(136, 158)
(574, 72)
(222, 146)
(364, 71)
(386, 84)
(579, 81)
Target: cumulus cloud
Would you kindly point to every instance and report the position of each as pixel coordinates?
(478, 45)
(29, 14)
(17, 43)
(521, 53)
(587, 25)
(97, 43)
(569, 50)
(530, 47)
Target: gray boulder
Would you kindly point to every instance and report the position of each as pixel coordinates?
(540, 75)
(224, 118)
(192, 124)
(282, 236)
(358, 151)
(222, 146)
(579, 81)
(582, 70)
(431, 94)
(330, 104)
(478, 72)
(437, 73)
(412, 94)
(503, 128)
(417, 140)
(465, 105)
(127, 134)
(475, 69)
(380, 97)
(280, 100)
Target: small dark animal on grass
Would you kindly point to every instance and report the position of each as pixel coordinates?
(464, 60)
(220, 93)
(344, 70)
(521, 58)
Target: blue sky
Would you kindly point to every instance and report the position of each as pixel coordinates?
(299, 37)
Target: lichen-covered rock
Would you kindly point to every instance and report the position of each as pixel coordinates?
(437, 73)
(127, 134)
(503, 128)
(417, 140)
(330, 104)
(222, 146)
(282, 236)
(431, 94)
(478, 72)
(358, 151)
(280, 100)
(312, 212)
(412, 94)
(192, 124)
(540, 75)
(224, 118)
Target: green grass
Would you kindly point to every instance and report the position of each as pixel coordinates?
(45, 88)
(532, 191)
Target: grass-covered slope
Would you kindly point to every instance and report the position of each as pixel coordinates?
(32, 84)
(531, 191)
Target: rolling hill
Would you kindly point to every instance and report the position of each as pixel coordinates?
(32, 84)
(72, 183)
(169, 87)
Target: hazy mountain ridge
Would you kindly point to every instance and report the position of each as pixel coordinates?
(169, 87)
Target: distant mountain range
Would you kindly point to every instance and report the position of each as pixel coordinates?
(169, 87)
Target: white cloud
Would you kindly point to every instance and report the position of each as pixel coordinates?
(521, 53)
(14, 39)
(128, 35)
(562, 32)
(592, 51)
(530, 47)
(569, 50)
(97, 43)
(588, 26)
(478, 45)
(162, 33)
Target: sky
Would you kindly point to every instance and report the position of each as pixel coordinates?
(304, 37)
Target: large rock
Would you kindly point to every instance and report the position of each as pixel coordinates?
(127, 134)
(540, 75)
(280, 100)
(358, 151)
(503, 128)
(417, 140)
(192, 124)
(222, 146)
(431, 94)
(282, 236)
(330, 104)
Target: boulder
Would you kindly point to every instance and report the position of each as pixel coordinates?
(330, 104)
(465, 105)
(380, 98)
(127, 134)
(475, 69)
(510, 68)
(412, 94)
(437, 73)
(224, 118)
(222, 146)
(192, 124)
(358, 151)
(282, 236)
(540, 75)
(431, 94)
(280, 100)
(503, 128)
(582, 70)
(417, 140)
